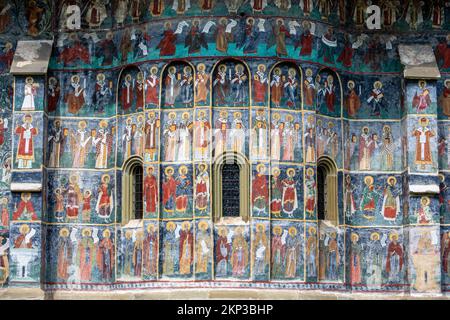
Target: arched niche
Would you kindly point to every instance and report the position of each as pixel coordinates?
(130, 91)
(177, 80)
(285, 86)
(223, 161)
(132, 190)
(231, 84)
(327, 190)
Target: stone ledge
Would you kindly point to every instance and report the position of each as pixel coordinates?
(204, 294)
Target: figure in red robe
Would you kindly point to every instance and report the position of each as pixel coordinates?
(167, 44)
(86, 256)
(7, 55)
(169, 189)
(152, 88)
(346, 55)
(25, 149)
(139, 94)
(150, 191)
(73, 52)
(65, 250)
(105, 256)
(260, 85)
(223, 253)
(25, 210)
(260, 192)
(186, 254)
(157, 7)
(127, 93)
(306, 41)
(395, 251)
(53, 94)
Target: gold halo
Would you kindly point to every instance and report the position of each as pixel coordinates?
(237, 115)
(330, 78)
(128, 234)
(203, 225)
(250, 19)
(64, 232)
(154, 70)
(170, 226)
(277, 230)
(276, 116)
(106, 177)
(239, 230)
(75, 78)
(172, 69)
(259, 226)
(140, 117)
(223, 230)
(106, 233)
(292, 70)
(201, 67)
(129, 120)
(172, 115)
(262, 66)
(391, 178)
(222, 66)
(201, 113)
(204, 165)
(306, 24)
(29, 80)
(150, 168)
(183, 168)
(277, 71)
(103, 124)
(183, 116)
(310, 171)
(333, 235)
(330, 125)
(5, 200)
(441, 177)
(275, 171)
(150, 227)
(239, 66)
(375, 235)
(289, 117)
(86, 232)
(292, 231)
(24, 229)
(351, 82)
(309, 72)
(424, 120)
(378, 84)
(368, 180)
(25, 196)
(187, 68)
(290, 172)
(422, 83)
(52, 80)
(354, 236)
(261, 167)
(312, 230)
(82, 124)
(166, 171)
(393, 235)
(186, 224)
(101, 77)
(447, 82)
(427, 200)
(73, 178)
(278, 20)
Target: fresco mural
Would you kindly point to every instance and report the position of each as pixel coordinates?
(279, 87)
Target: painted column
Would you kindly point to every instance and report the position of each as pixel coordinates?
(422, 221)
(27, 179)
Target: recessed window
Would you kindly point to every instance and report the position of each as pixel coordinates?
(132, 190)
(327, 205)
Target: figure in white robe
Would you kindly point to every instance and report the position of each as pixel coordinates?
(30, 92)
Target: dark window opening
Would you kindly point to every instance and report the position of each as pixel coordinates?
(321, 193)
(138, 192)
(230, 190)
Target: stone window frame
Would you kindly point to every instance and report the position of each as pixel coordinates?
(128, 184)
(244, 186)
(331, 181)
